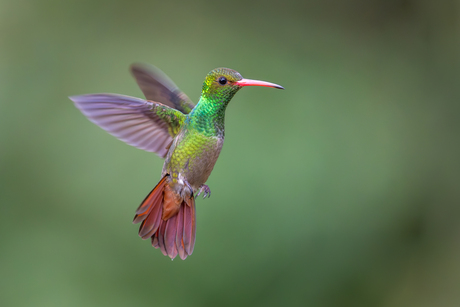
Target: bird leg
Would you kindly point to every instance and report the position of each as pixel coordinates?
(188, 195)
(189, 187)
(204, 188)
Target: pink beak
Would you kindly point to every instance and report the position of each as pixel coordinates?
(249, 82)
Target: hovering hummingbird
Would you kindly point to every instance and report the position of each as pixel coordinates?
(189, 137)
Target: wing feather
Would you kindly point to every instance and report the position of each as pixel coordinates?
(156, 86)
(138, 122)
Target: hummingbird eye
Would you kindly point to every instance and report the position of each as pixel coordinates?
(222, 80)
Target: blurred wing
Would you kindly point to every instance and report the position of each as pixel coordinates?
(144, 124)
(156, 86)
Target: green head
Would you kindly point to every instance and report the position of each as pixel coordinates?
(222, 83)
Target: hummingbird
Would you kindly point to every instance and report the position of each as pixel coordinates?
(188, 136)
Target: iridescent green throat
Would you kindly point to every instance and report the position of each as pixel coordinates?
(208, 116)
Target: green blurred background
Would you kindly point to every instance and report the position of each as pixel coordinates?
(342, 190)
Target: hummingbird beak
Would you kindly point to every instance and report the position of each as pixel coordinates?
(249, 82)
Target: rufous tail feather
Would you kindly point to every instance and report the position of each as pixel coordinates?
(168, 220)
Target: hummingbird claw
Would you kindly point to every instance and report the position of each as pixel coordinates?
(207, 191)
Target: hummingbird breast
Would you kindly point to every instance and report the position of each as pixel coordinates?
(192, 157)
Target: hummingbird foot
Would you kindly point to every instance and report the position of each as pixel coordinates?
(204, 188)
(189, 187)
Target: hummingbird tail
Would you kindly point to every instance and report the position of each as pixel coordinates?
(168, 219)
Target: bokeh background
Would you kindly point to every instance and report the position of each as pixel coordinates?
(342, 190)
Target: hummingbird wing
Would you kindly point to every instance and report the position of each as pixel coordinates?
(147, 125)
(156, 86)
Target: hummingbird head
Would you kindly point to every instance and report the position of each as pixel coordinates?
(223, 83)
